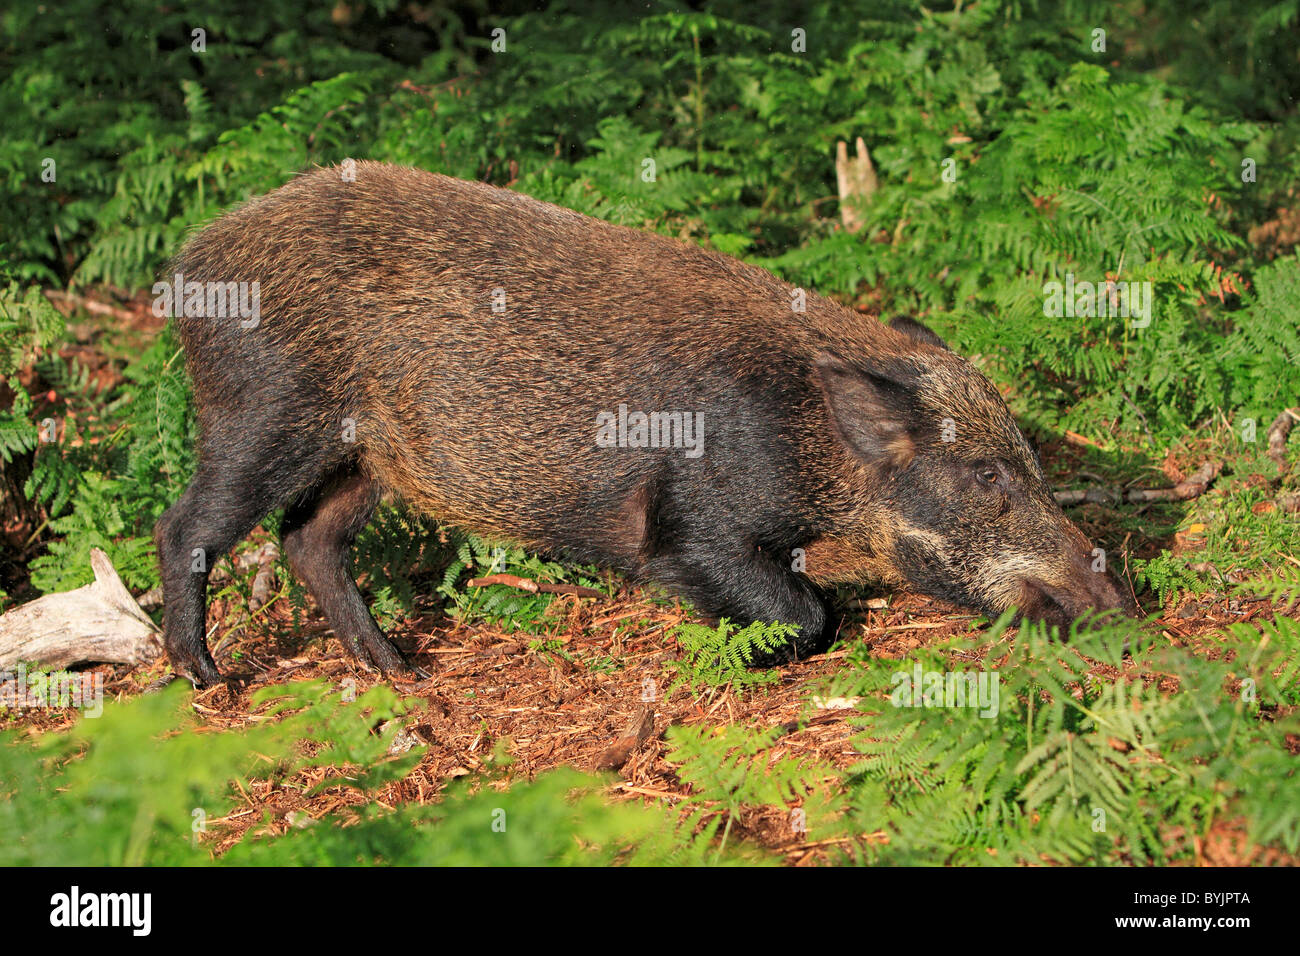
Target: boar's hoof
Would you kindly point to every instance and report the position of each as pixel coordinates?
(200, 673)
(376, 654)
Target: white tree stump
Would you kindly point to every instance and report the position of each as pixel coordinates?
(857, 183)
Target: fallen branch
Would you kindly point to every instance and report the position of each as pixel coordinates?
(1193, 486)
(525, 584)
(1277, 435)
(68, 303)
(99, 622)
(1074, 438)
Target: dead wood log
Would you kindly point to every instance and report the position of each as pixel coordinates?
(99, 622)
(1277, 435)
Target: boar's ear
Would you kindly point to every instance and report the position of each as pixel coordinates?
(870, 410)
(915, 330)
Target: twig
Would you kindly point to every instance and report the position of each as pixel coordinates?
(1077, 496)
(1074, 438)
(524, 584)
(660, 794)
(1146, 426)
(1193, 486)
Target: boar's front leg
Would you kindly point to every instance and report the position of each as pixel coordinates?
(725, 575)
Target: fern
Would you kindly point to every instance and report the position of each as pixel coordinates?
(722, 655)
(1264, 347)
(96, 520)
(1167, 575)
(28, 326)
(1075, 769)
(501, 604)
(18, 433)
(139, 785)
(732, 767)
(1282, 585)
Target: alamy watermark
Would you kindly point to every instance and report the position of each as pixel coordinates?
(75, 908)
(922, 688)
(21, 690)
(1110, 299)
(651, 430)
(213, 300)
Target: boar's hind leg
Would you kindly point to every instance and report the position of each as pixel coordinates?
(318, 534)
(744, 584)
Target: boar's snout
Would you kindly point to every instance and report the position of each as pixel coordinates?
(1066, 600)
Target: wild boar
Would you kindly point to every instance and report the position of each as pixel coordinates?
(529, 373)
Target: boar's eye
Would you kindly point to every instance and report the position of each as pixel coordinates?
(988, 474)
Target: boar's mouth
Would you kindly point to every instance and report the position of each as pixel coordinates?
(1062, 604)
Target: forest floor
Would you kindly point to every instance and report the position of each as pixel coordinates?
(576, 698)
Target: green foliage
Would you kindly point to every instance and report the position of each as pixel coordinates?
(397, 551)
(1276, 664)
(127, 788)
(96, 519)
(1239, 528)
(1263, 352)
(1073, 768)
(121, 138)
(28, 326)
(110, 108)
(18, 433)
(1062, 165)
(1070, 769)
(1166, 576)
(722, 655)
(559, 819)
(729, 768)
(1084, 176)
(106, 487)
(509, 607)
(734, 766)
(138, 785)
(1282, 585)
